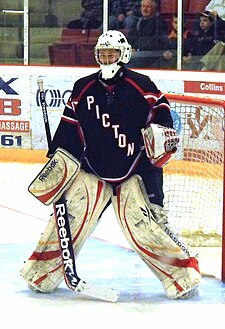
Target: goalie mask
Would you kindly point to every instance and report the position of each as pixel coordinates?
(111, 52)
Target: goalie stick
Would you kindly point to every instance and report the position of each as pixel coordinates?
(73, 281)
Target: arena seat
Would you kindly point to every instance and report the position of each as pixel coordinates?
(73, 35)
(197, 6)
(64, 54)
(168, 7)
(68, 50)
(76, 47)
(86, 51)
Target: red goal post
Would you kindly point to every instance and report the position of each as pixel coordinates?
(194, 180)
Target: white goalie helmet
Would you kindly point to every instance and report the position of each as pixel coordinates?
(112, 40)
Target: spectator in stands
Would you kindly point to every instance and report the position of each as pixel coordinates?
(214, 60)
(91, 16)
(205, 39)
(149, 36)
(217, 8)
(124, 14)
(169, 56)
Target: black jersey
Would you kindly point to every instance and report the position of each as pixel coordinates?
(102, 123)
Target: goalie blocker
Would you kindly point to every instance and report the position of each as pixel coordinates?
(160, 144)
(56, 176)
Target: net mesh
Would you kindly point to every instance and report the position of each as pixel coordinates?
(193, 180)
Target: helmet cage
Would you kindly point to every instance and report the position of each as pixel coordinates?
(113, 40)
(108, 62)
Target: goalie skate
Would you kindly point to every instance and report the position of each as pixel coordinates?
(191, 293)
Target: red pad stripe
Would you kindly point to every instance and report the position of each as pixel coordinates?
(45, 255)
(189, 262)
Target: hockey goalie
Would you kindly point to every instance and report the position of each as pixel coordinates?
(115, 136)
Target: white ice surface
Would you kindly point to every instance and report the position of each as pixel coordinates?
(105, 260)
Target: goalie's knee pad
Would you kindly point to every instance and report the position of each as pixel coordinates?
(85, 199)
(145, 227)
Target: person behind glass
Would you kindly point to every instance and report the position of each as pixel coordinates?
(91, 16)
(217, 8)
(169, 56)
(148, 37)
(205, 38)
(124, 14)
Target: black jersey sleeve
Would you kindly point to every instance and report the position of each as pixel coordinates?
(68, 134)
(159, 107)
(162, 113)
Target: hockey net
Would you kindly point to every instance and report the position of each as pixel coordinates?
(194, 179)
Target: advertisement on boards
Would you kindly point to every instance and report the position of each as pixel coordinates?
(15, 119)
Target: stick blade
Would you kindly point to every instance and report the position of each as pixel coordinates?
(97, 292)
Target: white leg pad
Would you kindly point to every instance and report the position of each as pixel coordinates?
(148, 233)
(86, 198)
